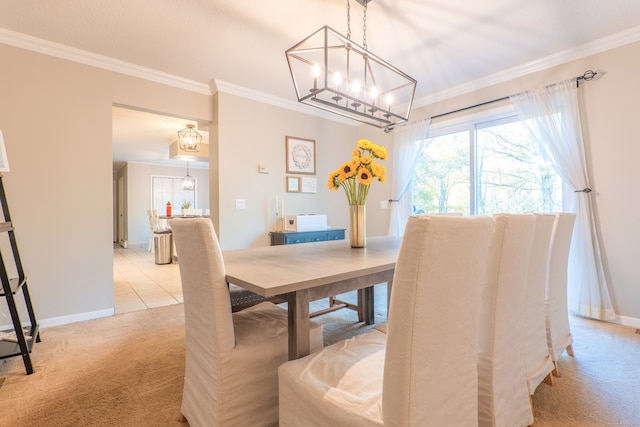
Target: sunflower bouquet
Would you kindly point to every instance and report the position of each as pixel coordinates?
(356, 175)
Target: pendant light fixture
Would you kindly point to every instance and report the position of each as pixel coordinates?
(333, 73)
(189, 138)
(188, 183)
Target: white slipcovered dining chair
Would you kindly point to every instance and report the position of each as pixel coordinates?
(423, 371)
(503, 396)
(231, 359)
(538, 362)
(559, 335)
(154, 225)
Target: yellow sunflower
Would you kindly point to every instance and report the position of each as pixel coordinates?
(379, 151)
(356, 161)
(347, 170)
(365, 176)
(333, 182)
(365, 144)
(365, 160)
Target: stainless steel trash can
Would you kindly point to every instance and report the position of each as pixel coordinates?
(162, 245)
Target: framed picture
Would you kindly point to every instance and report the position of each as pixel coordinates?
(4, 162)
(308, 184)
(293, 184)
(301, 155)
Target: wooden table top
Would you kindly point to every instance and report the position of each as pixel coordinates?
(275, 270)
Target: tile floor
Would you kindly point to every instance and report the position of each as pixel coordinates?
(139, 283)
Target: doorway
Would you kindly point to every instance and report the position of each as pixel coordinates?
(142, 148)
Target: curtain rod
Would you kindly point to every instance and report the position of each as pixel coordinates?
(587, 76)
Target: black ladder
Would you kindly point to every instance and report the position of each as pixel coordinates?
(20, 342)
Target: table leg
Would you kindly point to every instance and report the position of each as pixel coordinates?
(298, 310)
(368, 305)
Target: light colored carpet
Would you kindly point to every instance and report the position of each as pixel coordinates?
(126, 370)
(600, 386)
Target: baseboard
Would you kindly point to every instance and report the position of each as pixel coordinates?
(80, 317)
(627, 321)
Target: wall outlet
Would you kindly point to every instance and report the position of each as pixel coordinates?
(263, 169)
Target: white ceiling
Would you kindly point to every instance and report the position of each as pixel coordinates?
(443, 44)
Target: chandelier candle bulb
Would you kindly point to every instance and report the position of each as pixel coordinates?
(316, 73)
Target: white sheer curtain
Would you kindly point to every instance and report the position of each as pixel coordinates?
(408, 143)
(553, 118)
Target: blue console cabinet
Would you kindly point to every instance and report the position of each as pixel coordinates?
(294, 237)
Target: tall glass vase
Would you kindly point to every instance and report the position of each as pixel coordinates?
(358, 226)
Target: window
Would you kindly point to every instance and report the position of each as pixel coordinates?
(169, 189)
(482, 167)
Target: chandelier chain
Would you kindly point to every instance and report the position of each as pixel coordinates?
(348, 21)
(364, 26)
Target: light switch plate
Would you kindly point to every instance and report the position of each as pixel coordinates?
(240, 204)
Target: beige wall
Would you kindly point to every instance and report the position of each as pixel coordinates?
(613, 148)
(56, 120)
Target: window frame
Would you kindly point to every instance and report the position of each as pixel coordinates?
(471, 123)
(175, 204)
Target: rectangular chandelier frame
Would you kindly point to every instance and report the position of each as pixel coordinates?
(333, 73)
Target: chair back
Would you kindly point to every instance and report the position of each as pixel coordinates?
(207, 305)
(558, 331)
(537, 359)
(154, 220)
(432, 322)
(503, 397)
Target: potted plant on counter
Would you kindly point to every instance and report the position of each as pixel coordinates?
(186, 206)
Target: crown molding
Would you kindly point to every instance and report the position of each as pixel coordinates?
(58, 50)
(232, 89)
(600, 45)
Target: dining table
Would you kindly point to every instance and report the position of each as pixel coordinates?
(305, 273)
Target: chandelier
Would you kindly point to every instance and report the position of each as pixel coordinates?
(333, 73)
(189, 138)
(188, 183)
